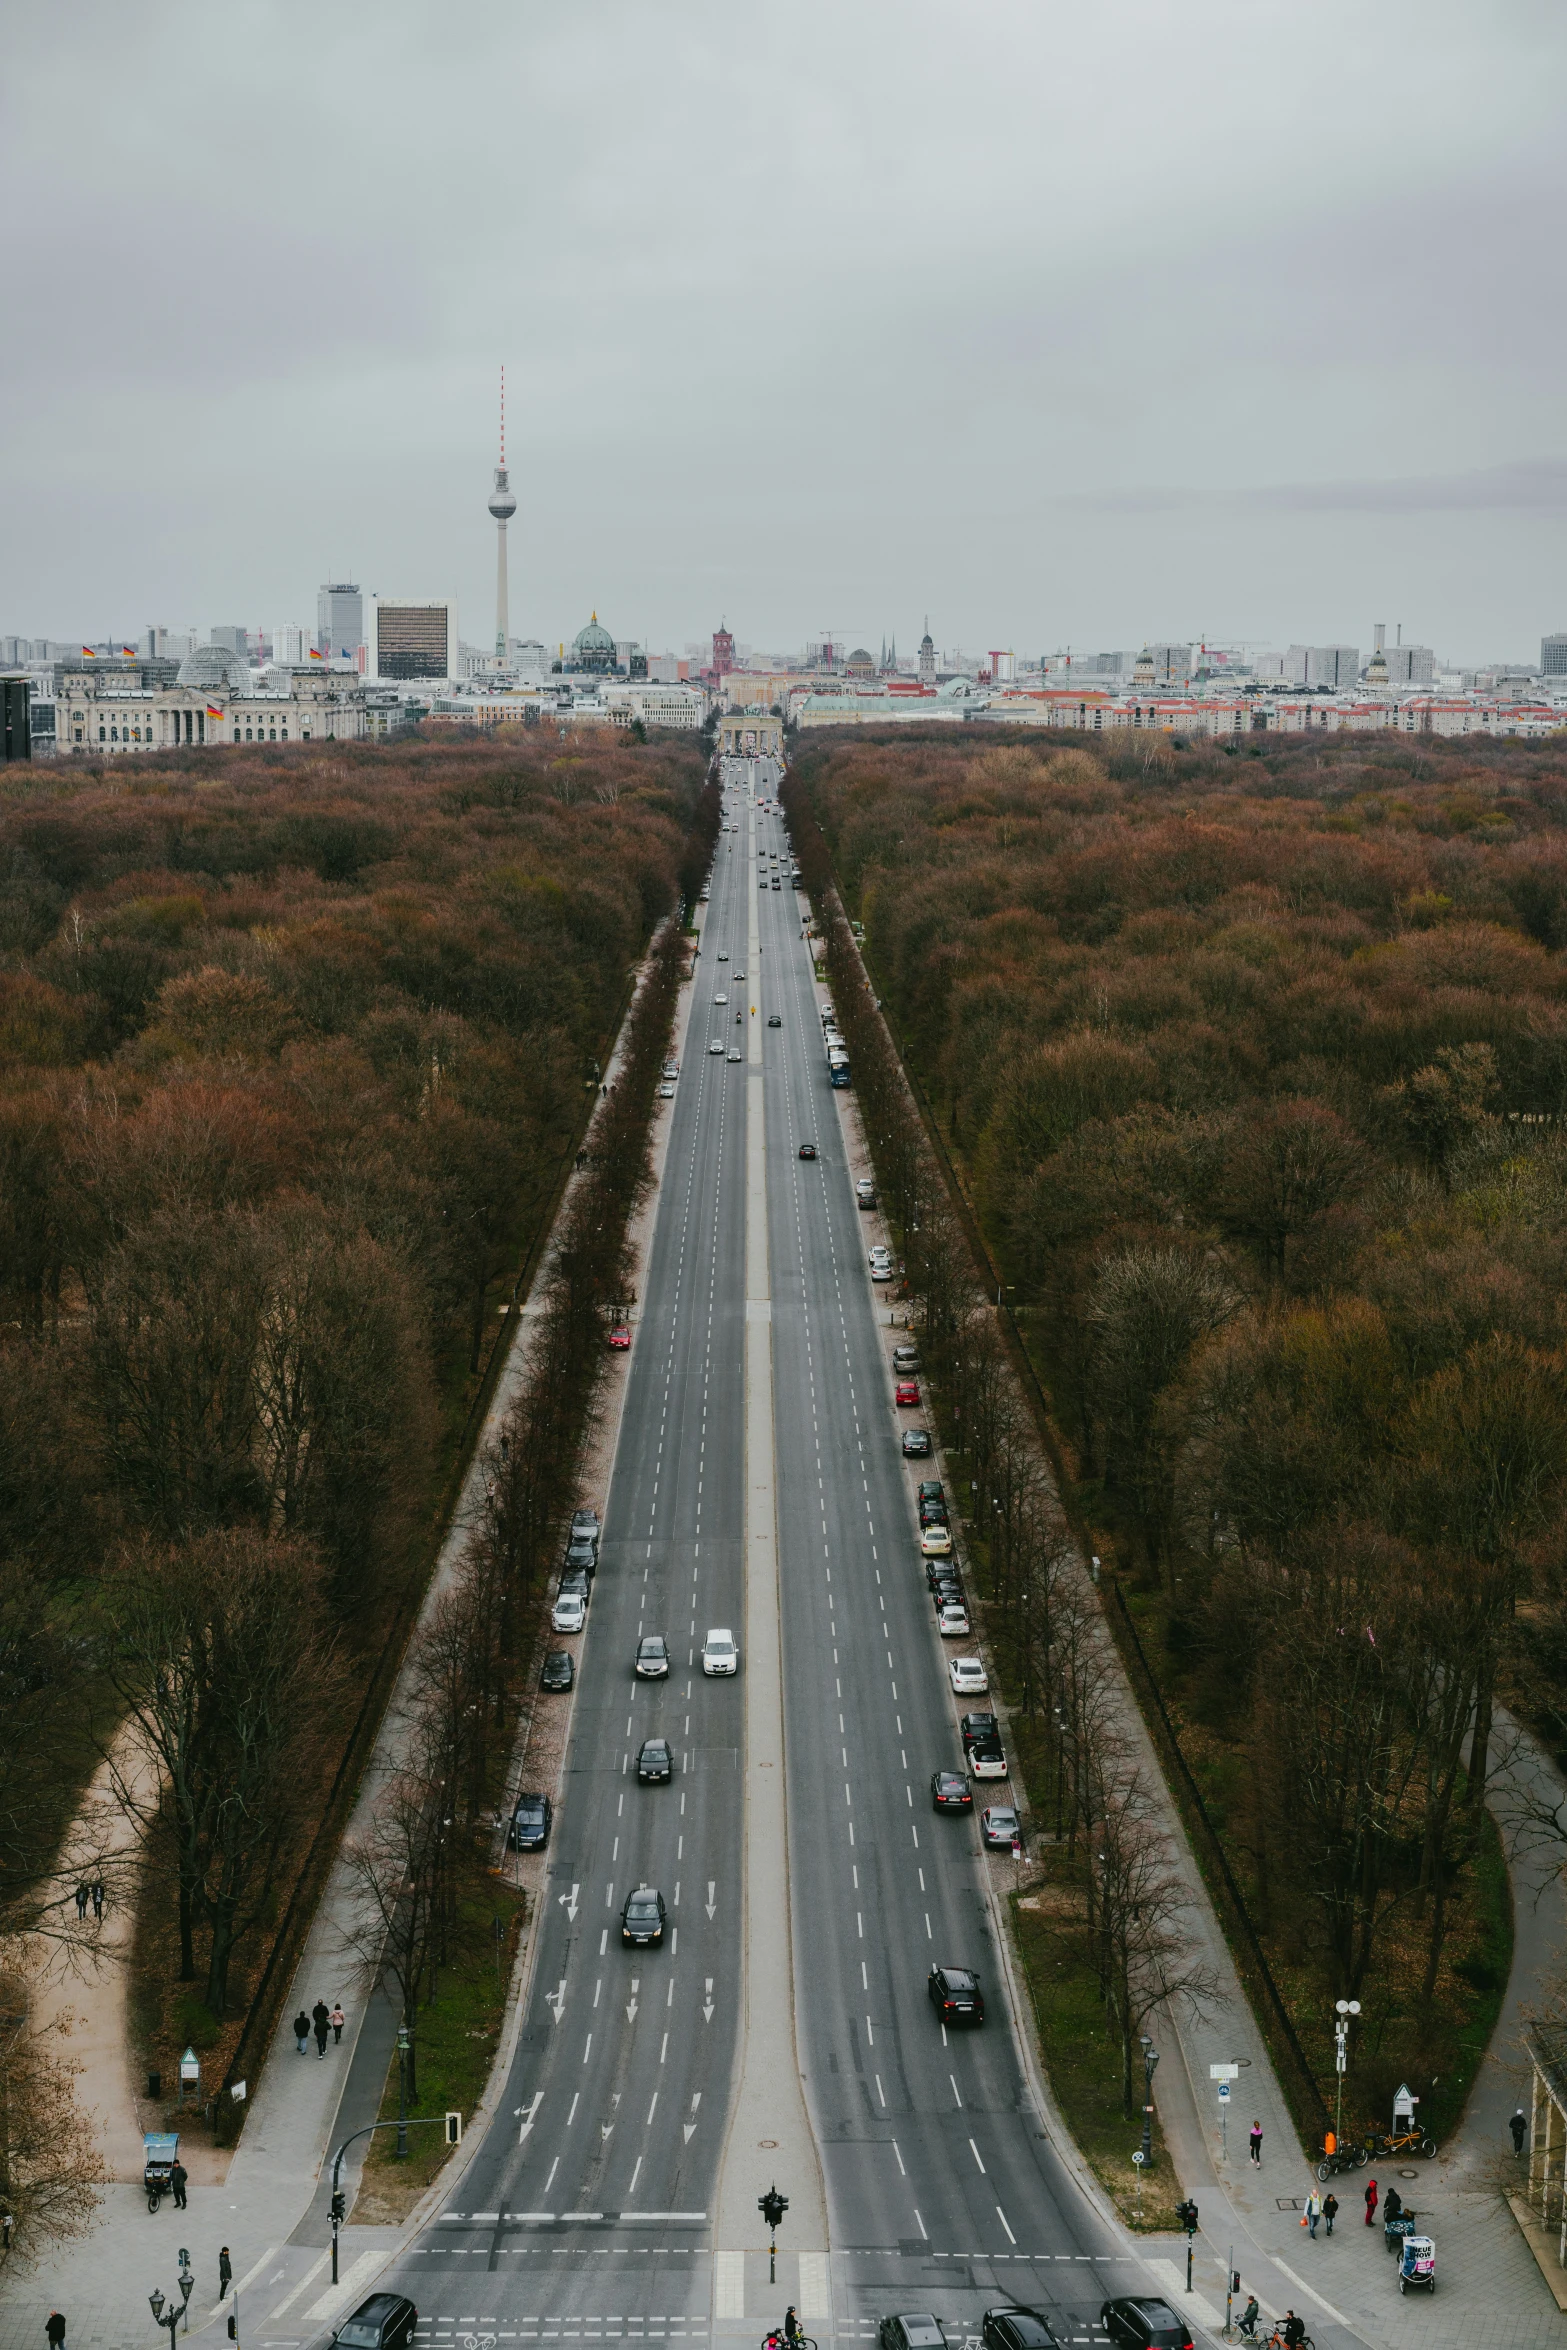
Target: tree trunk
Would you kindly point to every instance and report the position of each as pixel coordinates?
(187, 1932)
(1480, 1744)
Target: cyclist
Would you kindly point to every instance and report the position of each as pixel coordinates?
(791, 2326)
(1248, 2319)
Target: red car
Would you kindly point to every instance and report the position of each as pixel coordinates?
(620, 1340)
(907, 1392)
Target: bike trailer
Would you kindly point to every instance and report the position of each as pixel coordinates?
(159, 2150)
(1417, 2264)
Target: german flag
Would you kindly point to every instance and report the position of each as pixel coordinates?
(88, 654)
(211, 713)
(129, 651)
(315, 656)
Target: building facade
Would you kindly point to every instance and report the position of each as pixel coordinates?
(340, 621)
(107, 717)
(414, 641)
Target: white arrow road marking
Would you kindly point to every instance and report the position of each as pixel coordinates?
(606, 2129)
(631, 2010)
(688, 2131)
(568, 1902)
(557, 2000)
(528, 2114)
(711, 1890)
(707, 2005)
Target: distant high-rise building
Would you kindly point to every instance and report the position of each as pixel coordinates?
(1553, 656)
(927, 655)
(1334, 666)
(16, 734)
(232, 640)
(723, 652)
(1411, 665)
(291, 646)
(414, 640)
(340, 621)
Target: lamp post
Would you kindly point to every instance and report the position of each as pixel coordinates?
(1150, 2063)
(1344, 2009)
(402, 2092)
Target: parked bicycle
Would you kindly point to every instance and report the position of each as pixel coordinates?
(1382, 2143)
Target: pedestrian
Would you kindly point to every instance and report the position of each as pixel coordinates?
(301, 2031)
(321, 2017)
(1330, 2210)
(1520, 2130)
(1371, 2205)
(338, 2021)
(81, 1899)
(225, 2273)
(1313, 2212)
(55, 2330)
(97, 1897)
(1256, 2145)
(179, 2179)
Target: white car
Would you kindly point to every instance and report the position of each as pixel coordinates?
(723, 954)
(881, 1269)
(717, 1045)
(666, 1092)
(968, 1677)
(719, 1653)
(720, 998)
(988, 1765)
(880, 1256)
(953, 1623)
(935, 1542)
(569, 1613)
(671, 1069)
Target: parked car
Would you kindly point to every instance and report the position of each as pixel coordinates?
(530, 1824)
(999, 1827)
(653, 1658)
(879, 1256)
(655, 1765)
(642, 1916)
(950, 1791)
(968, 1677)
(864, 1194)
(569, 1613)
(907, 1394)
(936, 1541)
(720, 1656)
(932, 1489)
(1138, 2321)
(582, 1552)
(988, 1760)
(905, 1360)
(916, 1444)
(585, 1521)
(559, 1671)
(955, 1994)
(385, 2322)
(953, 1623)
(914, 2330)
(576, 1583)
(620, 1340)
(977, 1729)
(666, 1092)
(881, 1269)
(671, 1069)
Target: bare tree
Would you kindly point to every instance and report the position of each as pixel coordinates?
(394, 1890)
(49, 2157)
(1142, 1935)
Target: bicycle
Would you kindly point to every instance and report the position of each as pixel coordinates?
(1276, 2341)
(1379, 2148)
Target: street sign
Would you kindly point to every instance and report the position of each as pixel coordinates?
(1139, 2158)
(1224, 2092)
(1224, 2072)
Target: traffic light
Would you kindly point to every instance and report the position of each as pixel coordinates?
(772, 2207)
(339, 2205)
(233, 2328)
(1186, 2213)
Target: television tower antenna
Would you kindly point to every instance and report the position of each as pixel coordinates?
(503, 505)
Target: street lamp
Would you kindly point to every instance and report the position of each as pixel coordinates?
(402, 2092)
(1150, 2063)
(1344, 2009)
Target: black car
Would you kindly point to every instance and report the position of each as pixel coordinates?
(932, 1489)
(942, 1574)
(979, 1730)
(999, 1825)
(577, 1579)
(654, 1765)
(914, 2330)
(932, 1513)
(775, 1020)
(1143, 2322)
(1010, 2328)
(955, 1994)
(385, 2322)
(807, 1150)
(949, 1791)
(530, 1824)
(582, 1553)
(642, 1915)
(559, 1671)
(916, 1444)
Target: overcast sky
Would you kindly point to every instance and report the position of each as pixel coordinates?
(1079, 324)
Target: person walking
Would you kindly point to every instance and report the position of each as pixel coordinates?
(179, 2179)
(338, 2021)
(1256, 2145)
(302, 2031)
(321, 2017)
(1520, 2129)
(1371, 2205)
(1330, 2209)
(225, 2273)
(81, 1899)
(55, 2330)
(97, 1898)
(1313, 2212)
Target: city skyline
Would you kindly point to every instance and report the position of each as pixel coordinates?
(1168, 328)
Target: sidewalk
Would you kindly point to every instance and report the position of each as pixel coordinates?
(270, 2209)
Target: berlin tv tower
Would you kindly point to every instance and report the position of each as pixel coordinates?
(503, 506)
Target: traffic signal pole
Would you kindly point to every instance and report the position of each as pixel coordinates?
(772, 2207)
(412, 2121)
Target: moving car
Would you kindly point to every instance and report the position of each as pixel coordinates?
(559, 1671)
(999, 1827)
(719, 1653)
(569, 1613)
(737, 975)
(530, 1824)
(1139, 2321)
(907, 1393)
(642, 1916)
(723, 954)
(916, 1444)
(734, 1056)
(775, 1020)
(950, 1791)
(955, 1994)
(620, 1340)
(720, 998)
(654, 1764)
(914, 2330)
(717, 1045)
(385, 2322)
(653, 1658)
(1010, 2328)
(953, 1623)
(968, 1677)
(807, 1150)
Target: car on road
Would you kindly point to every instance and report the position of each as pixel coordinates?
(569, 1613)
(1011, 2328)
(950, 1791)
(655, 1766)
(953, 1623)
(721, 997)
(530, 1824)
(907, 1394)
(955, 1994)
(905, 1359)
(734, 1056)
(666, 1092)
(723, 954)
(642, 1915)
(865, 1193)
(737, 975)
(936, 1541)
(775, 1020)
(968, 1677)
(1140, 2321)
(916, 1444)
(807, 1150)
(719, 1653)
(652, 1658)
(777, 884)
(385, 2322)
(620, 1340)
(559, 1671)
(717, 1045)
(912, 2330)
(999, 1827)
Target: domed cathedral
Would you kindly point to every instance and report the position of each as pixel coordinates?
(859, 663)
(593, 650)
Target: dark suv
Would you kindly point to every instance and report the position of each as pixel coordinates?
(385, 2322)
(1009, 2328)
(583, 1551)
(530, 1824)
(955, 1995)
(915, 2330)
(1143, 2322)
